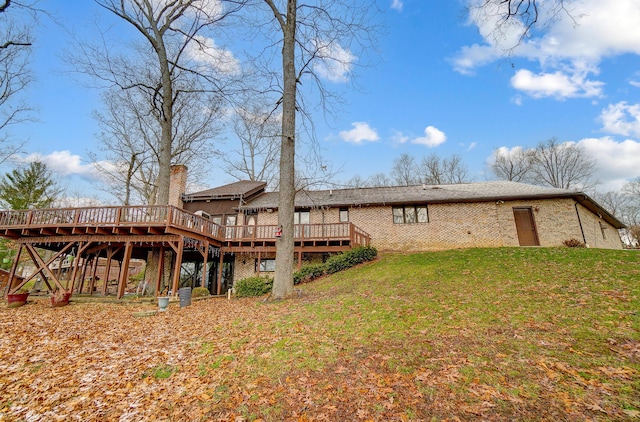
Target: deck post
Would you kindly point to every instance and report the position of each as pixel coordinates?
(107, 268)
(75, 264)
(177, 266)
(14, 267)
(124, 269)
(205, 261)
(159, 269)
(219, 286)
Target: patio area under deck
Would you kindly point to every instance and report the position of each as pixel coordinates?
(123, 233)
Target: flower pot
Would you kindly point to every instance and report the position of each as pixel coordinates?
(60, 299)
(163, 302)
(15, 300)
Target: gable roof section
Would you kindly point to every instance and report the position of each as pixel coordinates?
(241, 189)
(454, 193)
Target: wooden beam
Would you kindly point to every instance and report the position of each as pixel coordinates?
(160, 271)
(12, 273)
(124, 269)
(74, 264)
(221, 263)
(177, 266)
(151, 239)
(42, 268)
(204, 251)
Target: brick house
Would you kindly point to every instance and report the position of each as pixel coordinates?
(213, 237)
(416, 218)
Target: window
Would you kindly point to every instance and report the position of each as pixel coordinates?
(230, 222)
(344, 215)
(302, 217)
(267, 265)
(217, 219)
(410, 214)
(603, 230)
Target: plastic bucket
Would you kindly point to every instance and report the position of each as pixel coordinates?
(184, 293)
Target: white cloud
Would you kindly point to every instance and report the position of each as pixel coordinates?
(474, 56)
(204, 51)
(397, 5)
(432, 137)
(332, 62)
(399, 137)
(556, 84)
(574, 44)
(617, 162)
(360, 133)
(621, 119)
(64, 163)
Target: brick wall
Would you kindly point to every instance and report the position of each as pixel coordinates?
(177, 184)
(597, 232)
(466, 225)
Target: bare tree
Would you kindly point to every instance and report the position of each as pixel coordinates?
(514, 20)
(436, 171)
(563, 165)
(514, 165)
(405, 171)
(631, 190)
(16, 21)
(315, 41)
(356, 182)
(378, 180)
(559, 165)
(175, 59)
(255, 156)
(129, 140)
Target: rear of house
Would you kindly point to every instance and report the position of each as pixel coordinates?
(423, 218)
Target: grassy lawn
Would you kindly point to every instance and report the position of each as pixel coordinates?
(490, 334)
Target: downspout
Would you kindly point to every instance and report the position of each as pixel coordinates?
(584, 239)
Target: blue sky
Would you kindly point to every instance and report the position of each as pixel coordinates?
(441, 85)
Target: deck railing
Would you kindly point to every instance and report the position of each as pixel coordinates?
(158, 215)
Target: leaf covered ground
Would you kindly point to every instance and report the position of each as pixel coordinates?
(489, 334)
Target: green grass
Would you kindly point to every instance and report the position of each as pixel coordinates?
(500, 323)
(160, 372)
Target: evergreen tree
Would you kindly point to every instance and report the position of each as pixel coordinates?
(28, 188)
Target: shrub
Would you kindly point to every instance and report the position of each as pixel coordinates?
(199, 292)
(573, 243)
(308, 273)
(253, 286)
(350, 258)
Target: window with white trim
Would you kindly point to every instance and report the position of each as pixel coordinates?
(344, 215)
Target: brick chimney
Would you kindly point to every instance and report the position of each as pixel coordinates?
(177, 184)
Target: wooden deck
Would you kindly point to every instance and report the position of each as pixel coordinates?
(147, 222)
(85, 235)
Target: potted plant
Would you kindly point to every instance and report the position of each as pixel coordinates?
(60, 298)
(163, 300)
(17, 299)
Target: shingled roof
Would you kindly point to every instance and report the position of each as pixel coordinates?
(453, 193)
(236, 190)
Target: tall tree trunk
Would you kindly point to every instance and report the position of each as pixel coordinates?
(283, 282)
(166, 124)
